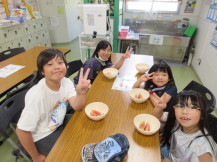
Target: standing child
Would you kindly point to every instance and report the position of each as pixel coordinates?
(187, 136)
(44, 116)
(159, 80)
(101, 59)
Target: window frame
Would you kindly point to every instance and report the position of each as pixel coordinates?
(151, 11)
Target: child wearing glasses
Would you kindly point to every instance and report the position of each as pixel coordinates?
(159, 81)
(44, 115)
(186, 136)
(101, 59)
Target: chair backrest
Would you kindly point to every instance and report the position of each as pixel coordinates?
(210, 98)
(10, 53)
(34, 78)
(10, 111)
(212, 121)
(73, 67)
(162, 61)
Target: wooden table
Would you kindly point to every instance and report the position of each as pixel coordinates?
(27, 59)
(81, 130)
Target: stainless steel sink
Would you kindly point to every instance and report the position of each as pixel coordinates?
(168, 40)
(174, 43)
(172, 47)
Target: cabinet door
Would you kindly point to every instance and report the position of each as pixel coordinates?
(76, 25)
(7, 33)
(2, 47)
(17, 31)
(2, 40)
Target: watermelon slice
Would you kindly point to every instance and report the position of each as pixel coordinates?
(142, 125)
(95, 113)
(138, 96)
(147, 128)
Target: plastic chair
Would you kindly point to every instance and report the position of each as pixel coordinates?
(162, 61)
(27, 83)
(212, 120)
(10, 110)
(210, 98)
(73, 67)
(32, 80)
(10, 53)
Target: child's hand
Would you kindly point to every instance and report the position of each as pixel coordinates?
(161, 104)
(146, 77)
(83, 83)
(39, 158)
(127, 53)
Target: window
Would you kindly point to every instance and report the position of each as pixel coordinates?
(159, 6)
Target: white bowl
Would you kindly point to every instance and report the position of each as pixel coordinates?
(139, 95)
(98, 106)
(142, 68)
(147, 118)
(110, 73)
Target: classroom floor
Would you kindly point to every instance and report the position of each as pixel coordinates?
(182, 75)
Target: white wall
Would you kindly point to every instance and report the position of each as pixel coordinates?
(204, 52)
(64, 26)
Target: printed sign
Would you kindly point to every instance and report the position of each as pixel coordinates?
(156, 39)
(214, 38)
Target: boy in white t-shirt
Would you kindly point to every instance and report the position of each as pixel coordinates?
(44, 116)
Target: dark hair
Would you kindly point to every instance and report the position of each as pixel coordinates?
(46, 55)
(102, 45)
(161, 68)
(182, 98)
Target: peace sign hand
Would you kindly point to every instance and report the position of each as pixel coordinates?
(127, 53)
(83, 83)
(146, 77)
(161, 104)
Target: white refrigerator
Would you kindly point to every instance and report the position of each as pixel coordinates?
(64, 22)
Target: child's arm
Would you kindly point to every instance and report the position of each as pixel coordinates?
(27, 142)
(124, 56)
(78, 101)
(143, 78)
(207, 157)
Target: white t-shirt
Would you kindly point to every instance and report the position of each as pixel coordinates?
(180, 151)
(45, 109)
